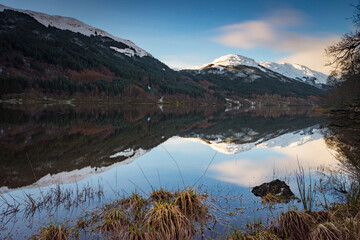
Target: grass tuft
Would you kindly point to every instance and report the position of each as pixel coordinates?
(53, 232)
(161, 195)
(327, 231)
(166, 221)
(191, 204)
(295, 225)
(164, 215)
(113, 221)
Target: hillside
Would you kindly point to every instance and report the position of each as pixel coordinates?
(48, 60)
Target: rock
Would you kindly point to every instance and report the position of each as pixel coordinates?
(276, 188)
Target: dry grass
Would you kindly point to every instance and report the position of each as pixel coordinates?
(295, 225)
(164, 215)
(270, 198)
(161, 195)
(113, 220)
(191, 204)
(327, 231)
(166, 221)
(134, 205)
(261, 235)
(53, 232)
(321, 225)
(321, 216)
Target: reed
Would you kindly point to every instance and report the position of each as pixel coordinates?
(306, 190)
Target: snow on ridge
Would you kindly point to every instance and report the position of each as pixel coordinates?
(234, 60)
(296, 71)
(74, 25)
(228, 60)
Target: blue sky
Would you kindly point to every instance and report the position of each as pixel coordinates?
(186, 33)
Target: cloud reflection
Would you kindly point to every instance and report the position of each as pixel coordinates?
(251, 172)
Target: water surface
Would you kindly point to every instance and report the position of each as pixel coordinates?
(116, 150)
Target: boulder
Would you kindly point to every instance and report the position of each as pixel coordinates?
(276, 188)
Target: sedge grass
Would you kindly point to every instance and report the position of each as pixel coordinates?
(191, 203)
(295, 225)
(166, 221)
(53, 232)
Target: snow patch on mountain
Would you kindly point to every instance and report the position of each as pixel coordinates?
(127, 51)
(296, 71)
(74, 25)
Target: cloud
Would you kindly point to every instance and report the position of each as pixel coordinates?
(277, 33)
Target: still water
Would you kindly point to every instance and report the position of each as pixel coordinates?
(106, 152)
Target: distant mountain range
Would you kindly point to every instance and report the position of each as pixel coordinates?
(48, 55)
(293, 71)
(239, 75)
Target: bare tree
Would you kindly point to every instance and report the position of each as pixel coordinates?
(345, 54)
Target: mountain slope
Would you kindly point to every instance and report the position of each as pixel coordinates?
(297, 72)
(38, 59)
(240, 75)
(74, 25)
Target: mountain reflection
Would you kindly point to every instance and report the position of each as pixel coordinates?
(54, 139)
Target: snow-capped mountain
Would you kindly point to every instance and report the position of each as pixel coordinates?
(227, 60)
(234, 60)
(74, 25)
(294, 71)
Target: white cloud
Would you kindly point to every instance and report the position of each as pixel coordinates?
(275, 33)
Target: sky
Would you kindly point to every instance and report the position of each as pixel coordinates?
(187, 33)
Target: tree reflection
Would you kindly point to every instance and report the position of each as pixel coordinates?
(343, 136)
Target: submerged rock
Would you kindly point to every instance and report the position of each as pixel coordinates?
(276, 188)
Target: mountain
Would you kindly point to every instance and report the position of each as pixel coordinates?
(297, 72)
(46, 55)
(293, 71)
(236, 74)
(74, 25)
